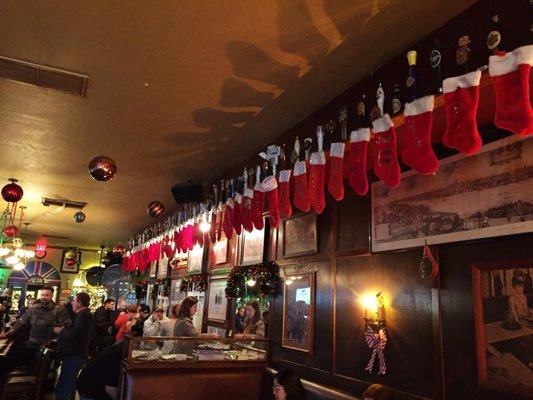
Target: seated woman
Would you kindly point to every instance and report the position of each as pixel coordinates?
(287, 386)
(254, 327)
(183, 327)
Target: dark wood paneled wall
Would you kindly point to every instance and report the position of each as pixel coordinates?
(431, 331)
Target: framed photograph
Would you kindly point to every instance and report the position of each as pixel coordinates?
(70, 261)
(252, 245)
(176, 296)
(220, 251)
(470, 197)
(298, 312)
(195, 259)
(300, 236)
(503, 313)
(217, 305)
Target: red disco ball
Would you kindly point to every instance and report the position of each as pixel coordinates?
(12, 192)
(155, 209)
(102, 168)
(11, 231)
(119, 249)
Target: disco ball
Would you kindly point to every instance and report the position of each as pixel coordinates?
(155, 209)
(119, 249)
(11, 231)
(12, 192)
(79, 217)
(102, 168)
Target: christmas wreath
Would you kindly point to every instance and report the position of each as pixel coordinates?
(263, 278)
(197, 282)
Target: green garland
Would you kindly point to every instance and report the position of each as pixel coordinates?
(265, 274)
(196, 282)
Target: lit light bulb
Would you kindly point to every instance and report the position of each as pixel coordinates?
(77, 282)
(289, 281)
(29, 253)
(205, 226)
(19, 252)
(19, 266)
(369, 302)
(12, 260)
(251, 282)
(4, 251)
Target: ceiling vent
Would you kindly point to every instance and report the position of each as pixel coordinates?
(42, 76)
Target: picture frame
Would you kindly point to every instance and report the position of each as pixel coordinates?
(300, 236)
(503, 313)
(221, 250)
(470, 197)
(73, 268)
(176, 295)
(298, 312)
(195, 259)
(217, 304)
(252, 247)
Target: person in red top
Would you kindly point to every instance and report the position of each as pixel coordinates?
(125, 320)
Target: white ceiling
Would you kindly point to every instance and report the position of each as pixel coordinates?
(178, 90)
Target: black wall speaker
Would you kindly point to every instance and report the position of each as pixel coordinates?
(188, 192)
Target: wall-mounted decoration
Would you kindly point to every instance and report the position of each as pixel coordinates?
(196, 256)
(176, 295)
(300, 236)
(485, 195)
(503, 296)
(218, 303)
(298, 312)
(253, 280)
(70, 261)
(252, 246)
(220, 251)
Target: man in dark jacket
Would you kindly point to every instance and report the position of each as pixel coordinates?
(103, 326)
(144, 314)
(73, 346)
(40, 319)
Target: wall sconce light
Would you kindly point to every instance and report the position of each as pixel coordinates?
(375, 335)
(374, 311)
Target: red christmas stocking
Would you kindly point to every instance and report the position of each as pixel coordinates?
(270, 186)
(257, 207)
(461, 99)
(317, 176)
(228, 219)
(300, 197)
(510, 77)
(357, 176)
(416, 139)
(285, 208)
(246, 210)
(336, 181)
(220, 217)
(237, 224)
(385, 155)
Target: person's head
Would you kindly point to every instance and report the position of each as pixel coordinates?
(70, 299)
(174, 311)
(240, 311)
(30, 302)
(253, 311)
(144, 310)
(80, 301)
(47, 293)
(109, 304)
(122, 305)
(131, 309)
(188, 307)
(287, 386)
(377, 392)
(159, 312)
(518, 283)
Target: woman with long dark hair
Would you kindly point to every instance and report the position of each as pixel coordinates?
(287, 386)
(253, 324)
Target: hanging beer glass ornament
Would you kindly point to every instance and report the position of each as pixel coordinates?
(102, 168)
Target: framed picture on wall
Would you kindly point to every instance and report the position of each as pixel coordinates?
(470, 197)
(70, 261)
(503, 313)
(220, 251)
(217, 305)
(298, 312)
(252, 245)
(300, 236)
(195, 259)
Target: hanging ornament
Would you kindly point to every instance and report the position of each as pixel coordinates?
(428, 267)
(79, 217)
(40, 248)
(11, 231)
(155, 209)
(102, 168)
(12, 192)
(119, 249)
